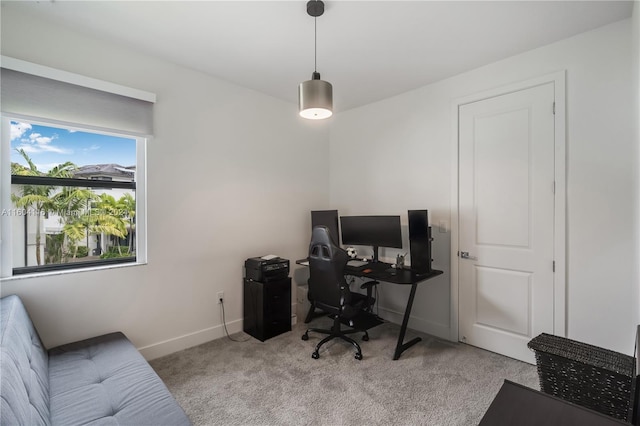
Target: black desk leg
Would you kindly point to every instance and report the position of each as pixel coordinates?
(401, 347)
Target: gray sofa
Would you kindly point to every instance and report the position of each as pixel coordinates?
(99, 381)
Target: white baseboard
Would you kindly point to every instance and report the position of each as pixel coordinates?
(438, 330)
(196, 338)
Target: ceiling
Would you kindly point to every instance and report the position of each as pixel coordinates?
(368, 50)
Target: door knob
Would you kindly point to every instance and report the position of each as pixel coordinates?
(465, 255)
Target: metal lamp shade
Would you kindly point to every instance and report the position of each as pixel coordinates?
(315, 99)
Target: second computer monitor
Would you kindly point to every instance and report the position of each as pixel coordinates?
(328, 218)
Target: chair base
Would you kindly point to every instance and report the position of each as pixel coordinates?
(336, 332)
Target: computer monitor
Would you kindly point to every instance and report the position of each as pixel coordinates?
(328, 218)
(376, 231)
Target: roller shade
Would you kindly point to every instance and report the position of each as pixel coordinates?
(29, 95)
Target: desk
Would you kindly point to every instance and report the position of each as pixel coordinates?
(384, 272)
(519, 405)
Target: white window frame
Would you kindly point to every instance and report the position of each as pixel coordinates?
(6, 264)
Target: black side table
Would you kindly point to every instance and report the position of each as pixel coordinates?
(267, 308)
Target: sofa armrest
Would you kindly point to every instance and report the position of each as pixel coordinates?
(584, 374)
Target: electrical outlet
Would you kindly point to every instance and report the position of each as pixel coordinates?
(220, 296)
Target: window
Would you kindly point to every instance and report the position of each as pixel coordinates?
(73, 196)
(72, 170)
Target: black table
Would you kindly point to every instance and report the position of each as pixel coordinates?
(384, 272)
(380, 271)
(519, 405)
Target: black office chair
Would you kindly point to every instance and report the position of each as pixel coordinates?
(365, 300)
(329, 291)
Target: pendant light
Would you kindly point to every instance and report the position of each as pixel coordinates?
(315, 96)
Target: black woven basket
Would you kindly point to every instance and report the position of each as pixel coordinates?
(586, 375)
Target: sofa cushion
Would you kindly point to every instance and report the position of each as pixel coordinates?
(105, 381)
(24, 388)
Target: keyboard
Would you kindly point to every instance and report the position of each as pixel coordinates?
(379, 266)
(357, 263)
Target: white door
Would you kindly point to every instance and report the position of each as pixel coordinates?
(506, 220)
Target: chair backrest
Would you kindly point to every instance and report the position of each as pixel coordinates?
(328, 288)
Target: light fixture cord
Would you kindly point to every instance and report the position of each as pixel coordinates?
(315, 43)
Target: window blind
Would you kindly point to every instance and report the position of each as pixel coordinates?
(27, 95)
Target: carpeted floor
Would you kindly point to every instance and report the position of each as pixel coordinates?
(278, 383)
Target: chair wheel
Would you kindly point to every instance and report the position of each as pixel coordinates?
(305, 336)
(358, 356)
(365, 337)
(315, 355)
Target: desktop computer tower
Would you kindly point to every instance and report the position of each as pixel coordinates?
(420, 241)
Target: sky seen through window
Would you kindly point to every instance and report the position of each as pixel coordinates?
(49, 146)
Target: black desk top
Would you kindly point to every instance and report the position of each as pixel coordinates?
(519, 405)
(384, 272)
(380, 271)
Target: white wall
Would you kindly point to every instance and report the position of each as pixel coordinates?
(221, 190)
(395, 155)
(231, 174)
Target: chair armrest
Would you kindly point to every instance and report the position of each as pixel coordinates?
(369, 284)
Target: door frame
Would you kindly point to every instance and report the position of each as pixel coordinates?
(560, 197)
